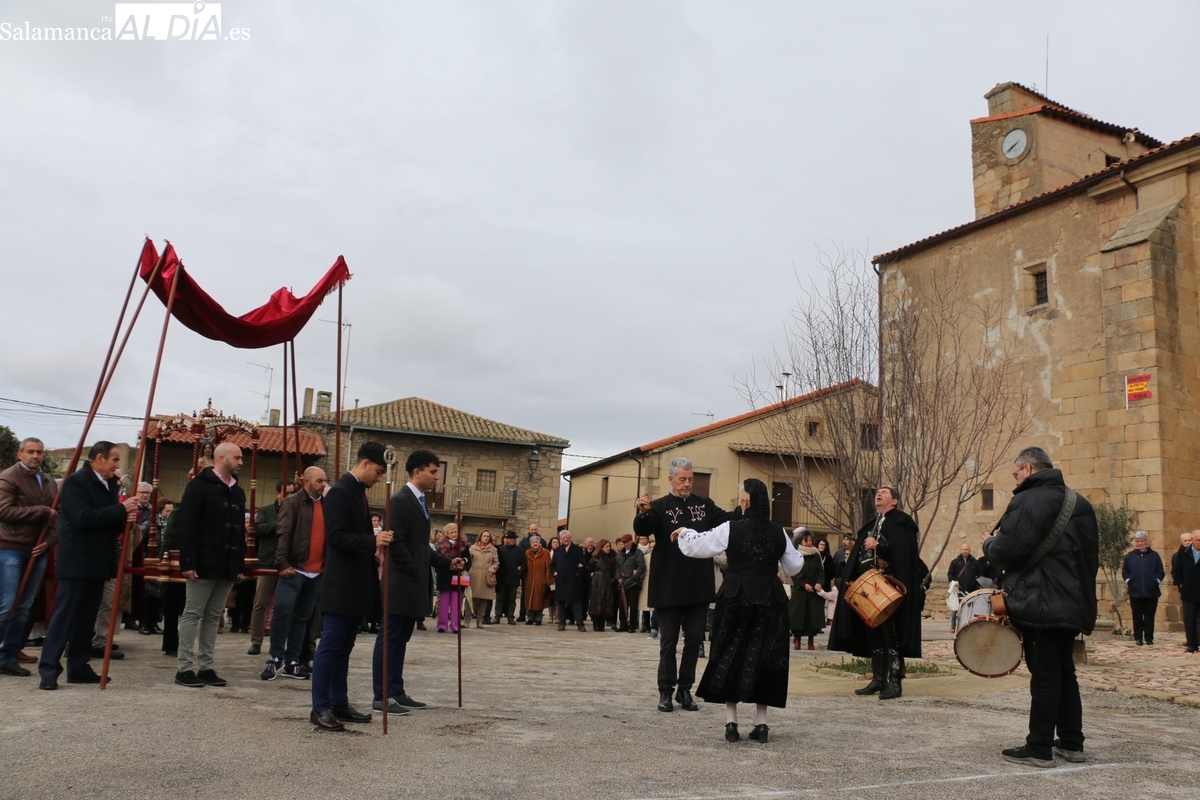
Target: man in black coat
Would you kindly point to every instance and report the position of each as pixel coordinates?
(682, 587)
(91, 518)
(1185, 571)
(347, 586)
(409, 560)
(631, 571)
(888, 543)
(211, 531)
(508, 576)
(569, 566)
(1051, 600)
(961, 568)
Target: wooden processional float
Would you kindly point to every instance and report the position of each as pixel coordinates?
(274, 323)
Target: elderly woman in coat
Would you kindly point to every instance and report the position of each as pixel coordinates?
(537, 580)
(806, 608)
(603, 598)
(484, 563)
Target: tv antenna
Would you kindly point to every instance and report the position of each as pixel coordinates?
(711, 416)
(267, 395)
(346, 370)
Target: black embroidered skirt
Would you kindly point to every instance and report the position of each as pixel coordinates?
(748, 657)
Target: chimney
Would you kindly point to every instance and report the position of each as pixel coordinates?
(324, 402)
(274, 422)
(308, 398)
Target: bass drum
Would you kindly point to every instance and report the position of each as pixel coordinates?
(985, 642)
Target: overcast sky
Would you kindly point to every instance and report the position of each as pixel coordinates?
(584, 218)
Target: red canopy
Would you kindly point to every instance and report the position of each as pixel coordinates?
(276, 321)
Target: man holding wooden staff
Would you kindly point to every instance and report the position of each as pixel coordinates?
(409, 560)
(26, 494)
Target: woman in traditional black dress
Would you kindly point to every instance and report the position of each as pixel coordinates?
(748, 662)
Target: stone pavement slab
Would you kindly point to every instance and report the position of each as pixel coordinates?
(561, 715)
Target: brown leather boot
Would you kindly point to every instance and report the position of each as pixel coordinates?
(796, 646)
(479, 624)
(810, 643)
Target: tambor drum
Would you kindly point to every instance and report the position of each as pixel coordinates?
(986, 643)
(875, 597)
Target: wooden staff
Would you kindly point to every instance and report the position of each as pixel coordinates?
(295, 410)
(284, 449)
(458, 524)
(389, 456)
(116, 612)
(337, 414)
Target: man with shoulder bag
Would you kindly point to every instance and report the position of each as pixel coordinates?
(1047, 544)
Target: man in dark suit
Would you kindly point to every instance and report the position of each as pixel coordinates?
(92, 518)
(409, 560)
(888, 543)
(348, 586)
(682, 587)
(569, 565)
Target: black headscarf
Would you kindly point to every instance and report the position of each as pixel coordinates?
(760, 502)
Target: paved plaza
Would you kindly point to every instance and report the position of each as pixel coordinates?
(565, 715)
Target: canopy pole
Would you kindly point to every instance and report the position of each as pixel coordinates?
(337, 390)
(116, 612)
(284, 452)
(295, 411)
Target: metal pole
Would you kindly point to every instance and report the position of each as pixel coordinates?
(162, 342)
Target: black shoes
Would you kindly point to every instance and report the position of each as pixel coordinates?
(349, 713)
(13, 668)
(408, 702)
(684, 698)
(87, 677)
(1023, 755)
(210, 678)
(1073, 756)
(98, 652)
(48, 684)
(255, 649)
(189, 680)
(326, 721)
(731, 732)
(759, 734)
(664, 700)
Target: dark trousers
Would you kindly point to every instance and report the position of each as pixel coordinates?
(628, 619)
(1191, 623)
(1143, 610)
(243, 605)
(882, 637)
(670, 620)
(174, 597)
(72, 627)
(521, 611)
(400, 630)
(576, 609)
(332, 662)
(1050, 657)
(506, 600)
(295, 598)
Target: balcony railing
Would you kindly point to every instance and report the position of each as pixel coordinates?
(499, 503)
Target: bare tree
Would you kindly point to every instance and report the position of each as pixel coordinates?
(954, 400)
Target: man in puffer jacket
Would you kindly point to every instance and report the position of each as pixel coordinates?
(1051, 600)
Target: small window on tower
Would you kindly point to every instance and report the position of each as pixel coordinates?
(1041, 288)
(987, 499)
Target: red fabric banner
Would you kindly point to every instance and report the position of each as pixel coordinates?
(276, 321)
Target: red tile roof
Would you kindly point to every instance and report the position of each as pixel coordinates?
(1055, 109)
(1037, 200)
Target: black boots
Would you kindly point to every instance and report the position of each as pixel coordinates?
(664, 701)
(877, 679)
(684, 698)
(892, 666)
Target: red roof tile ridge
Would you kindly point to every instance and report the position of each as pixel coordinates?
(1030, 202)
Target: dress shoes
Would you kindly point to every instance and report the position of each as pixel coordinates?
(326, 721)
(349, 713)
(664, 701)
(731, 732)
(255, 649)
(421, 626)
(562, 627)
(394, 708)
(98, 652)
(188, 679)
(759, 734)
(48, 684)
(25, 658)
(581, 628)
(87, 677)
(684, 698)
(512, 621)
(13, 668)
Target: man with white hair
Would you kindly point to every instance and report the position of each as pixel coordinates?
(211, 528)
(682, 587)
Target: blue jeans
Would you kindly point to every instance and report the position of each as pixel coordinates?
(332, 662)
(295, 598)
(12, 567)
(400, 630)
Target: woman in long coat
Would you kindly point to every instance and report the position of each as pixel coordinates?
(537, 580)
(806, 609)
(603, 598)
(484, 562)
